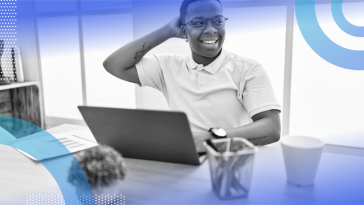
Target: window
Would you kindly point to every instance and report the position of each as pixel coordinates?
(105, 4)
(61, 67)
(74, 38)
(46, 6)
(102, 35)
(327, 100)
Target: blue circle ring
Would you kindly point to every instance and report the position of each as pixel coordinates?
(345, 25)
(320, 43)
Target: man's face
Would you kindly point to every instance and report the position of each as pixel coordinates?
(200, 40)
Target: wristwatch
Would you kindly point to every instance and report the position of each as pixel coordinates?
(218, 133)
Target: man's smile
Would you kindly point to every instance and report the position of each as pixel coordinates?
(209, 41)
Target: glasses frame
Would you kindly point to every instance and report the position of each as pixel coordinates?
(206, 20)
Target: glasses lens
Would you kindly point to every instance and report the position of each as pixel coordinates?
(198, 23)
(218, 21)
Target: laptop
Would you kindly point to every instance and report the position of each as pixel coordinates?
(144, 134)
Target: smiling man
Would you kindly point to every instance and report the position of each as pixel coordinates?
(223, 94)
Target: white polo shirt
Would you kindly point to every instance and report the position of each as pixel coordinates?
(226, 93)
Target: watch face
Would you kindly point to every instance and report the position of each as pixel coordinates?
(219, 132)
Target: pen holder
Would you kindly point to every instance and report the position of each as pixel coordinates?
(231, 163)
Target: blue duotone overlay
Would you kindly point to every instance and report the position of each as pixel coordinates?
(150, 15)
(38, 145)
(342, 22)
(321, 44)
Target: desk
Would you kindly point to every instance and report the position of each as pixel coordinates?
(339, 180)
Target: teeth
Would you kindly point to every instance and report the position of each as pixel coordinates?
(209, 42)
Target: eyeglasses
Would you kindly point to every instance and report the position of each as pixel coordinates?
(201, 22)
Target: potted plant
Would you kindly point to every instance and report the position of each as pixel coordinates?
(104, 168)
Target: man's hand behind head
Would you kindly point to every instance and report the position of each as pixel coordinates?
(175, 26)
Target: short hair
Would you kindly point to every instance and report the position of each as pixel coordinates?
(184, 6)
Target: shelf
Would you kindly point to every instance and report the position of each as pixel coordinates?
(21, 101)
(18, 85)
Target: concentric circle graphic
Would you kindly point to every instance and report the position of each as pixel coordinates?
(345, 25)
(320, 43)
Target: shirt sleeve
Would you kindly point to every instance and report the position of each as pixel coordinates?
(150, 71)
(257, 92)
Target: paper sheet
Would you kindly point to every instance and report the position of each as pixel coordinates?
(74, 141)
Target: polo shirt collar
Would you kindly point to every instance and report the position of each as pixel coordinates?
(212, 68)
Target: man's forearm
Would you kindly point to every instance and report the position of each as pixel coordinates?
(261, 132)
(130, 54)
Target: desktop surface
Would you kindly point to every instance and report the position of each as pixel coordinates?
(339, 180)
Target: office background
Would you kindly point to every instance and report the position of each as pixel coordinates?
(64, 43)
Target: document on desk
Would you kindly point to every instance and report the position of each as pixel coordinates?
(51, 147)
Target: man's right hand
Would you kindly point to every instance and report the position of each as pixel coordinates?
(175, 26)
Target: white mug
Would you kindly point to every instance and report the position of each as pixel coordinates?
(301, 156)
